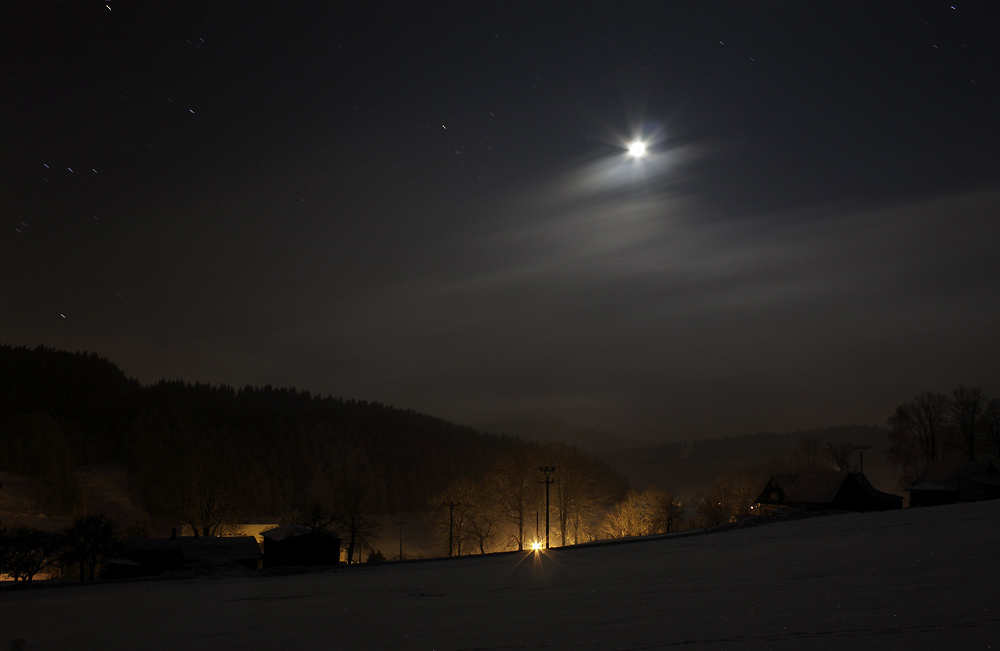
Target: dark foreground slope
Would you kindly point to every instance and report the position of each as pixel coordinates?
(911, 579)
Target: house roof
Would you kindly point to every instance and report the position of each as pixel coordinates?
(816, 487)
(822, 488)
(948, 472)
(286, 531)
(785, 482)
(211, 548)
(939, 488)
(199, 549)
(154, 544)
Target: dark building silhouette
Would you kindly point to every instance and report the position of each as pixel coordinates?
(826, 490)
(295, 544)
(157, 555)
(955, 480)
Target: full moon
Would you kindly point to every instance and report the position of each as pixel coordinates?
(637, 149)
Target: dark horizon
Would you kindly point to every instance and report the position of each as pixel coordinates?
(434, 208)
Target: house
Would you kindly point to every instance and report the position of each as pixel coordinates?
(295, 544)
(955, 480)
(777, 487)
(156, 555)
(255, 529)
(826, 490)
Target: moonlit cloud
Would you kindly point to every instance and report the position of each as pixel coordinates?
(628, 294)
(436, 207)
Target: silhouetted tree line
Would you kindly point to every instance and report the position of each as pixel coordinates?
(933, 426)
(691, 467)
(503, 508)
(652, 511)
(964, 423)
(208, 456)
(84, 547)
(732, 496)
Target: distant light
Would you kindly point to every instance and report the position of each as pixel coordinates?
(536, 546)
(637, 149)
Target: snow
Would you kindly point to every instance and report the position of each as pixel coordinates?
(914, 579)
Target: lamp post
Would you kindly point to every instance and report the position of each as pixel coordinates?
(861, 453)
(401, 525)
(451, 522)
(548, 481)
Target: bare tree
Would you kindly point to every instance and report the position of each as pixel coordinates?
(452, 525)
(206, 496)
(89, 542)
(316, 516)
(582, 493)
(627, 518)
(639, 514)
(731, 499)
(354, 513)
(25, 552)
(917, 429)
(5, 549)
(513, 478)
(840, 455)
(483, 516)
(666, 510)
(965, 409)
(807, 456)
(477, 516)
(991, 425)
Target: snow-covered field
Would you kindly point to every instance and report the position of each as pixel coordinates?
(911, 579)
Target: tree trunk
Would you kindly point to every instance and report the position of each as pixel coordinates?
(350, 549)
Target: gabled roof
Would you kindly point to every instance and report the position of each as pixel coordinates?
(211, 548)
(829, 488)
(816, 487)
(199, 549)
(286, 531)
(936, 488)
(785, 482)
(948, 472)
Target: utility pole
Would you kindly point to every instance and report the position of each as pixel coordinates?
(401, 525)
(861, 453)
(548, 481)
(451, 522)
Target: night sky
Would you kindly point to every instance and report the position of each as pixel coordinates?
(431, 205)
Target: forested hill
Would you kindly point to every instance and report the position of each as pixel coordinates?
(59, 382)
(281, 448)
